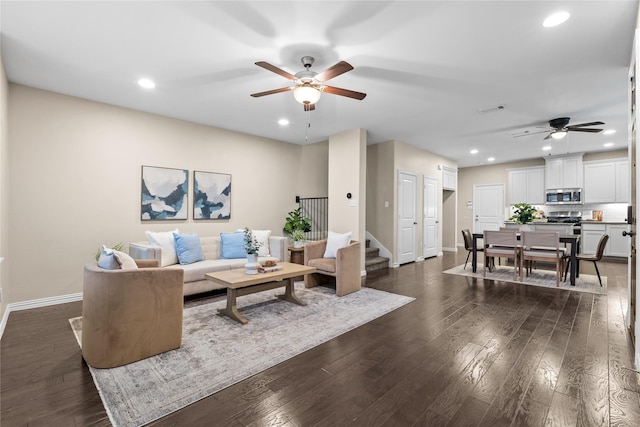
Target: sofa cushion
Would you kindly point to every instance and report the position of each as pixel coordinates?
(165, 241)
(336, 241)
(188, 248)
(323, 264)
(232, 245)
(197, 270)
(262, 237)
(210, 247)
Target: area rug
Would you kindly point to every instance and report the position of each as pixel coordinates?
(217, 352)
(538, 277)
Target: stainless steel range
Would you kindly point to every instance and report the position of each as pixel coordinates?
(566, 217)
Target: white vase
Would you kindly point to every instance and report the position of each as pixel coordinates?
(298, 243)
(252, 264)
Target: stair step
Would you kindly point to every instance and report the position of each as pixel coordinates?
(371, 252)
(376, 263)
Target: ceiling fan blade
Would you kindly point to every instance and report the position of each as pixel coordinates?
(334, 71)
(585, 124)
(548, 136)
(271, 92)
(276, 70)
(583, 130)
(309, 107)
(530, 133)
(345, 92)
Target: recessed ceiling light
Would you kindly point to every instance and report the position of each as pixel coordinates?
(491, 159)
(283, 122)
(474, 151)
(146, 83)
(608, 144)
(609, 132)
(555, 19)
(546, 148)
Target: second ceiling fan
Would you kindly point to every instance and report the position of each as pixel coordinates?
(561, 126)
(308, 85)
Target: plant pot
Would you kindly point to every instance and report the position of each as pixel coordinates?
(252, 264)
(298, 244)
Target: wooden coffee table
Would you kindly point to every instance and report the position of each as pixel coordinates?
(239, 283)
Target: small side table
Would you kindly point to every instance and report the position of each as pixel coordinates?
(297, 257)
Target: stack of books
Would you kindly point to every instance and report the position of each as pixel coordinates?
(268, 269)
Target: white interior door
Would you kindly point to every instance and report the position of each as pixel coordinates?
(430, 224)
(488, 207)
(407, 221)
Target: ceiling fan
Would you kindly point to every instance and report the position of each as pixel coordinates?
(560, 127)
(308, 85)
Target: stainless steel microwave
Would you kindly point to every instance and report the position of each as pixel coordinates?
(564, 196)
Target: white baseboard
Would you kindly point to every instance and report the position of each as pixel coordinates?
(36, 303)
(450, 249)
(420, 258)
(363, 273)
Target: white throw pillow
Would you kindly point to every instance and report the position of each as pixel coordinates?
(164, 239)
(262, 236)
(336, 241)
(125, 260)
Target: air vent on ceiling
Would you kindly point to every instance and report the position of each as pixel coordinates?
(493, 108)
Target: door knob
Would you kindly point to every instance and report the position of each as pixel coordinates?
(628, 233)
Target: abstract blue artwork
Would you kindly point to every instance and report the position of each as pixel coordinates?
(164, 193)
(211, 195)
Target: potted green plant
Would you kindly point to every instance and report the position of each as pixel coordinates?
(251, 246)
(296, 225)
(523, 213)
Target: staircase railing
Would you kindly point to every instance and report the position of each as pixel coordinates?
(316, 209)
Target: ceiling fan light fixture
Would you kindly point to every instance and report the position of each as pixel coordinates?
(306, 94)
(559, 134)
(556, 19)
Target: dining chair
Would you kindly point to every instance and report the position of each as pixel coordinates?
(501, 244)
(541, 246)
(591, 257)
(468, 245)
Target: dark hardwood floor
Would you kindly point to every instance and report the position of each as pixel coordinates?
(465, 352)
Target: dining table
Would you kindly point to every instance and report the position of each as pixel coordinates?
(573, 241)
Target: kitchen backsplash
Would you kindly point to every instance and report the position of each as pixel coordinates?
(616, 212)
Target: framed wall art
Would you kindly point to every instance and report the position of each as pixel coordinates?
(164, 193)
(211, 195)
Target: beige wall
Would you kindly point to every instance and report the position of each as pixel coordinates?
(75, 170)
(385, 160)
(498, 174)
(313, 170)
(4, 183)
(347, 174)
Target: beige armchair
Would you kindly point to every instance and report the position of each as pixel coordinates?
(344, 269)
(129, 315)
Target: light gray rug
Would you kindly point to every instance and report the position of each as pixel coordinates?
(217, 352)
(538, 277)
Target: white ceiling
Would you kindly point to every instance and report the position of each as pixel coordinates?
(427, 66)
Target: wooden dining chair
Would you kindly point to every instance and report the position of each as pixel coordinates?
(594, 258)
(541, 246)
(501, 244)
(468, 245)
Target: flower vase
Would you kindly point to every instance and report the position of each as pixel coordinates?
(252, 264)
(298, 244)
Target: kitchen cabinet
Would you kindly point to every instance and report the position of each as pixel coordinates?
(526, 185)
(449, 178)
(606, 181)
(590, 236)
(617, 246)
(563, 172)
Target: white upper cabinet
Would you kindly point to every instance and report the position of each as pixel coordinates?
(526, 185)
(449, 178)
(606, 181)
(563, 172)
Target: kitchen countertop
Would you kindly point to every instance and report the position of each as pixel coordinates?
(587, 221)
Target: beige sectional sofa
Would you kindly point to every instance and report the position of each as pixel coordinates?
(194, 279)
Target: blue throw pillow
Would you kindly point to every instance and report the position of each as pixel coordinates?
(188, 248)
(232, 245)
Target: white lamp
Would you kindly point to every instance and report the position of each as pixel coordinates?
(559, 134)
(306, 94)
